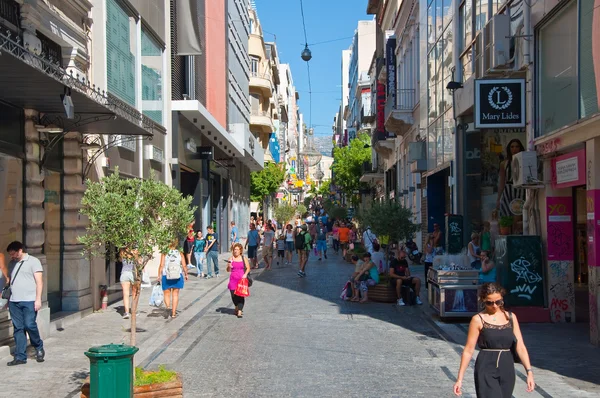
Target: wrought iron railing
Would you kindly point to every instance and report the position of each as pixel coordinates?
(11, 44)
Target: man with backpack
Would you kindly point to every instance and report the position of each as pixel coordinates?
(303, 243)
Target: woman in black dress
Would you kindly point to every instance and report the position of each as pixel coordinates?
(510, 199)
(494, 331)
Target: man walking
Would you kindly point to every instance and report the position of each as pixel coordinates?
(26, 282)
(212, 251)
(322, 240)
(252, 245)
(234, 234)
(368, 239)
(268, 239)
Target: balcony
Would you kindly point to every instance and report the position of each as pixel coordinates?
(261, 122)
(262, 82)
(371, 175)
(383, 142)
(399, 111)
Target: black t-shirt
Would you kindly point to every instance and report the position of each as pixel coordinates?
(399, 266)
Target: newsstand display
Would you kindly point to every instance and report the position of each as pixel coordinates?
(453, 285)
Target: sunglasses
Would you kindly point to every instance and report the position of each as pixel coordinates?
(499, 303)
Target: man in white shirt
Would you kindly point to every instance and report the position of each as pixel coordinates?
(368, 239)
(26, 282)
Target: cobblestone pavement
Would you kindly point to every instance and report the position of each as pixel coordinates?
(298, 339)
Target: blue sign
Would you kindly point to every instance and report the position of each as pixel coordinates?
(274, 147)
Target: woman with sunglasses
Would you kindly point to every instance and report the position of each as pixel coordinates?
(494, 331)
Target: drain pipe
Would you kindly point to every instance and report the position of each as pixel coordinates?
(530, 207)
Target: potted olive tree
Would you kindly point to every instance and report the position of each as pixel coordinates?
(137, 217)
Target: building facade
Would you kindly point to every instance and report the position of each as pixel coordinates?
(208, 89)
(70, 112)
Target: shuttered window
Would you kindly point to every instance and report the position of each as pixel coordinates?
(152, 77)
(120, 52)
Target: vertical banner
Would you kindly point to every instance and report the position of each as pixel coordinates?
(381, 135)
(593, 227)
(559, 217)
(390, 64)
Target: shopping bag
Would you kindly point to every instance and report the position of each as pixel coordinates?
(157, 296)
(346, 291)
(242, 288)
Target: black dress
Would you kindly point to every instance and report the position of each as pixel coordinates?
(495, 368)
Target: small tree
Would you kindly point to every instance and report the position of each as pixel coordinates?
(301, 210)
(266, 182)
(324, 188)
(348, 163)
(284, 213)
(390, 219)
(137, 217)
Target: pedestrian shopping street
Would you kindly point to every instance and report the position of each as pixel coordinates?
(298, 339)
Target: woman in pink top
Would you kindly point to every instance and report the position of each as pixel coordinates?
(336, 237)
(239, 268)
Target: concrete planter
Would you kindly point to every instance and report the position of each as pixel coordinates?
(173, 389)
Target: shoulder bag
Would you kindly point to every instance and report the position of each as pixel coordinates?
(248, 277)
(6, 290)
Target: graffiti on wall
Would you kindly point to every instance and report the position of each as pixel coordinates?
(561, 291)
(526, 277)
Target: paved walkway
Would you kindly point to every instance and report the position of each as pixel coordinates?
(298, 339)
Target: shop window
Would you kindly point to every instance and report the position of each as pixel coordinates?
(11, 200)
(558, 70)
(11, 125)
(430, 25)
(152, 77)
(120, 52)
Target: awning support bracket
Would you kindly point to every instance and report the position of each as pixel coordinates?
(93, 146)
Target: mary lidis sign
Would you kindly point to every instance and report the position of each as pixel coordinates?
(499, 103)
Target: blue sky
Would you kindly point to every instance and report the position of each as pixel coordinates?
(325, 20)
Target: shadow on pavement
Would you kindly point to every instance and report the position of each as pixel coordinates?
(560, 348)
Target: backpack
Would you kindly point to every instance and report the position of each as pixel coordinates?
(300, 241)
(173, 269)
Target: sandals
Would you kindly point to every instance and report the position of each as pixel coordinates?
(240, 314)
(354, 299)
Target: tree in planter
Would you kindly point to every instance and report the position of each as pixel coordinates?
(136, 216)
(266, 182)
(389, 218)
(284, 213)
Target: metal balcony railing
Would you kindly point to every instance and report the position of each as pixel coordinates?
(264, 75)
(404, 101)
(259, 113)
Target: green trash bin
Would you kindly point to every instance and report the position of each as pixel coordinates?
(111, 371)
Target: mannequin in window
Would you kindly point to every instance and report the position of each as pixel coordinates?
(510, 199)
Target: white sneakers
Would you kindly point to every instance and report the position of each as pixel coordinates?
(401, 302)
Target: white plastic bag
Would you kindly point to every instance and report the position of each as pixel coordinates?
(157, 296)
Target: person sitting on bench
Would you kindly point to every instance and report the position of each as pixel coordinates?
(400, 276)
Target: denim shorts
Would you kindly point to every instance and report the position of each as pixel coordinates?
(252, 251)
(126, 276)
(289, 246)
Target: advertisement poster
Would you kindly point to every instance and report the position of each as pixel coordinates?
(559, 217)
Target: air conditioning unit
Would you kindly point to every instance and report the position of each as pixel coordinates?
(524, 168)
(496, 36)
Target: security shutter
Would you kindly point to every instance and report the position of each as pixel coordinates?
(177, 69)
(120, 59)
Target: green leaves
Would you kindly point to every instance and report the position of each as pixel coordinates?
(266, 182)
(324, 188)
(389, 218)
(348, 162)
(135, 215)
(284, 213)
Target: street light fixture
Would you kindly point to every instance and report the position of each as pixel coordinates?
(306, 54)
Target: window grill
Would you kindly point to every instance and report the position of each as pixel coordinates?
(10, 14)
(50, 50)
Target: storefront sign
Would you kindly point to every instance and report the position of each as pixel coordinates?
(499, 103)
(559, 217)
(390, 63)
(204, 153)
(569, 170)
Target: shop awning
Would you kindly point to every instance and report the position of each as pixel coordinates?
(33, 82)
(200, 117)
